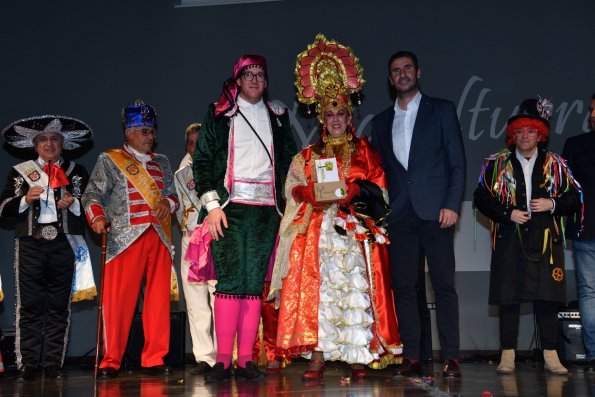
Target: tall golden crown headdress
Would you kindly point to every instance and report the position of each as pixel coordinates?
(327, 73)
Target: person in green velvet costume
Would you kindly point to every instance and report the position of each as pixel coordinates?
(241, 158)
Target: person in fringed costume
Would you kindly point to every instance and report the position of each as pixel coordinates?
(243, 152)
(131, 197)
(525, 190)
(331, 276)
(52, 263)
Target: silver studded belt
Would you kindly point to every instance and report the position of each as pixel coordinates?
(46, 232)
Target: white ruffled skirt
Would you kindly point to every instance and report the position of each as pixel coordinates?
(344, 313)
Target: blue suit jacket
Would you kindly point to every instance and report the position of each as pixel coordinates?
(435, 176)
(578, 152)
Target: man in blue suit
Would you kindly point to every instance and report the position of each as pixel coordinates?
(420, 141)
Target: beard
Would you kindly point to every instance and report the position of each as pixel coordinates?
(406, 88)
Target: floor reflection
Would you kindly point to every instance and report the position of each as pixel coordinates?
(478, 380)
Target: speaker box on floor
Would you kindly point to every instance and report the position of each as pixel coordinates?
(177, 341)
(571, 347)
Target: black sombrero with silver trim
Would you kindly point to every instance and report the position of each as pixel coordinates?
(20, 134)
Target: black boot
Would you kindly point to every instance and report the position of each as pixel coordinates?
(53, 372)
(250, 372)
(201, 368)
(218, 374)
(25, 374)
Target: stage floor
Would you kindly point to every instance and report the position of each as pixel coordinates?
(478, 380)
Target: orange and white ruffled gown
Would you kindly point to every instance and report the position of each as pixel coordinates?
(333, 291)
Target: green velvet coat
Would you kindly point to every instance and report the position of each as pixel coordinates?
(211, 157)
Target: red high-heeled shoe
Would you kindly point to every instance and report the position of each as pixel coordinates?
(273, 367)
(314, 374)
(358, 373)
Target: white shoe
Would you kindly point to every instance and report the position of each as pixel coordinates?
(506, 365)
(553, 364)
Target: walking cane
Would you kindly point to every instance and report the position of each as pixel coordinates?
(100, 305)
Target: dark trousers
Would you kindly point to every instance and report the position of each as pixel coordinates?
(408, 235)
(44, 271)
(546, 314)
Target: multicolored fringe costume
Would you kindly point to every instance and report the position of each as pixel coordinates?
(527, 259)
(557, 179)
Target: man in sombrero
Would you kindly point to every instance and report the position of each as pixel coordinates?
(42, 197)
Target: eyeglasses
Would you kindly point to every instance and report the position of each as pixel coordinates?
(146, 131)
(249, 76)
(522, 131)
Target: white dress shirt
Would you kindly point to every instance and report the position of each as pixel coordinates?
(402, 130)
(527, 166)
(144, 158)
(252, 169)
(250, 160)
(48, 211)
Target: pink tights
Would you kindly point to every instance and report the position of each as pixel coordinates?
(236, 316)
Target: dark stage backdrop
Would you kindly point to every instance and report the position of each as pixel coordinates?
(88, 59)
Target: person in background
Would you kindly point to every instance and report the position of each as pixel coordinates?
(579, 153)
(198, 294)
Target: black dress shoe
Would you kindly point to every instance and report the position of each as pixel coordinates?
(218, 374)
(25, 374)
(158, 370)
(107, 373)
(451, 369)
(250, 372)
(201, 368)
(53, 372)
(409, 368)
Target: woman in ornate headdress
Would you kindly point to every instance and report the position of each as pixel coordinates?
(331, 274)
